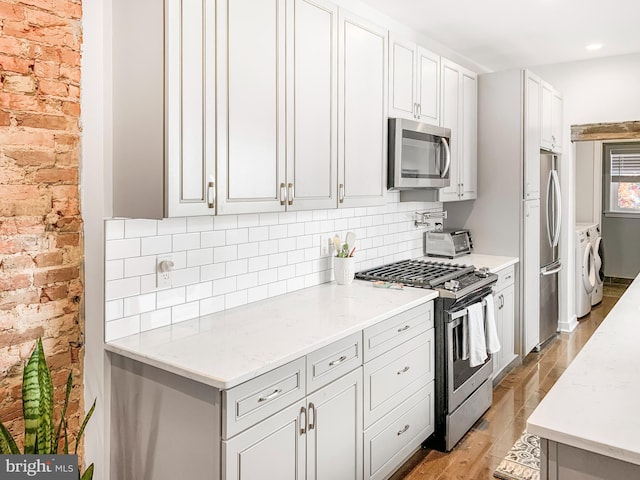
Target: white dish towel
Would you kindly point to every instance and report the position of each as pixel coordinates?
(477, 342)
(493, 342)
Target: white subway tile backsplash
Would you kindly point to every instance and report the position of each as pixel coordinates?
(170, 297)
(202, 256)
(113, 269)
(139, 304)
(199, 291)
(171, 226)
(136, 267)
(214, 238)
(225, 254)
(155, 245)
(139, 227)
(199, 224)
(126, 287)
(227, 261)
(116, 249)
(185, 311)
(114, 229)
(186, 241)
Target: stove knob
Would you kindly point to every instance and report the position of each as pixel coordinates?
(483, 272)
(452, 285)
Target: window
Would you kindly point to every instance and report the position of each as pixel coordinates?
(621, 164)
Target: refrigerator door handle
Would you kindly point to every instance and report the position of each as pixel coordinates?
(550, 235)
(558, 213)
(556, 267)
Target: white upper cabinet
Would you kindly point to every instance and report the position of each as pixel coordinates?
(551, 119)
(362, 99)
(414, 82)
(251, 106)
(533, 92)
(312, 144)
(164, 122)
(460, 114)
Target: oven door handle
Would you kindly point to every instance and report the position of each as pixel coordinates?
(458, 314)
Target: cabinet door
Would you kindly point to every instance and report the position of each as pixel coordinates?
(507, 339)
(469, 124)
(334, 434)
(546, 105)
(402, 79)
(556, 121)
(312, 105)
(428, 86)
(531, 275)
(276, 446)
(251, 106)
(531, 167)
(190, 111)
(362, 92)
(451, 73)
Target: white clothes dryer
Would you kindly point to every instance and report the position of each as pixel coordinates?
(585, 271)
(598, 255)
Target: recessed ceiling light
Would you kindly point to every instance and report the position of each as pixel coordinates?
(594, 46)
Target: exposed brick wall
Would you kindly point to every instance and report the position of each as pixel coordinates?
(40, 224)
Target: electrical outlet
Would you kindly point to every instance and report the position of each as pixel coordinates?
(326, 246)
(163, 275)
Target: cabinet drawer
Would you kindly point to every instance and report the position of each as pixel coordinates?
(384, 336)
(331, 362)
(393, 377)
(256, 399)
(394, 438)
(506, 277)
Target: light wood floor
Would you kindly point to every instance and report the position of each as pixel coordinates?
(514, 399)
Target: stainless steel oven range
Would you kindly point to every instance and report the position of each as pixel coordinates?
(462, 393)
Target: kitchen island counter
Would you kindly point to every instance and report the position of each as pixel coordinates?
(593, 407)
(228, 348)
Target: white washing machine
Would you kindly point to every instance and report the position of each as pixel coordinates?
(598, 255)
(585, 271)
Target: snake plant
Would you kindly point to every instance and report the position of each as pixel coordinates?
(37, 408)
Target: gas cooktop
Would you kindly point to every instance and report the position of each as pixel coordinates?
(454, 281)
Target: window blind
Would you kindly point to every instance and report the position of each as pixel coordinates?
(625, 167)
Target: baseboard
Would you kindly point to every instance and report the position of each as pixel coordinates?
(568, 326)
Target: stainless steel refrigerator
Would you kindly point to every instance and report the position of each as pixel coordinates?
(550, 264)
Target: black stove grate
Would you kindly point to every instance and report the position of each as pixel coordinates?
(418, 273)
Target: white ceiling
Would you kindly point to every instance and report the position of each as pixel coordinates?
(501, 34)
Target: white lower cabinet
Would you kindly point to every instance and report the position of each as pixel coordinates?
(316, 438)
(504, 307)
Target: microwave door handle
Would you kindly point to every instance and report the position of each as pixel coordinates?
(447, 156)
(558, 206)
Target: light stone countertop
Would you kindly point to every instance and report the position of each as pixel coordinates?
(231, 347)
(493, 262)
(595, 404)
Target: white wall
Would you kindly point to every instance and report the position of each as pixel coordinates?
(594, 91)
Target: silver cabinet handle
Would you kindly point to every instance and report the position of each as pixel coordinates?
(303, 411)
(290, 194)
(341, 193)
(404, 370)
(333, 363)
(283, 194)
(508, 277)
(211, 195)
(312, 418)
(402, 329)
(419, 110)
(415, 110)
(271, 396)
(404, 429)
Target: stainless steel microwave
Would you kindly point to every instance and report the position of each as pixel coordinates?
(419, 155)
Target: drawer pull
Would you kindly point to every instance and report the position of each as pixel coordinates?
(405, 369)
(406, 327)
(404, 429)
(333, 363)
(271, 396)
(508, 277)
